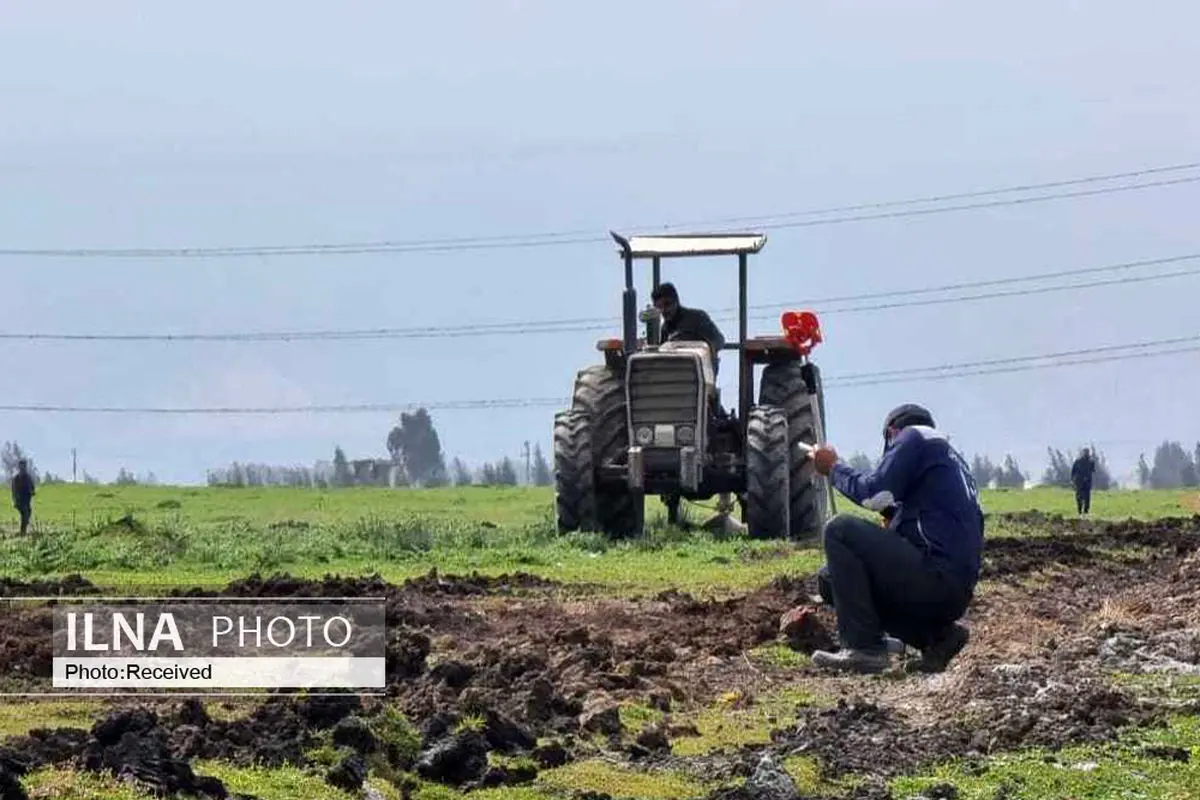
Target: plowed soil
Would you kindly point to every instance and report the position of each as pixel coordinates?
(529, 660)
(1037, 673)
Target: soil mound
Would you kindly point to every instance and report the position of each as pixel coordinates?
(284, 585)
(69, 586)
(129, 745)
(541, 662)
(1079, 543)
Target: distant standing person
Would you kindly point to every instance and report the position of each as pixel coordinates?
(1081, 475)
(22, 493)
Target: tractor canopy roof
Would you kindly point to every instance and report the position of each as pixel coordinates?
(689, 244)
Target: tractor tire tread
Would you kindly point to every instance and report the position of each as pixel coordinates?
(574, 472)
(600, 393)
(784, 386)
(767, 505)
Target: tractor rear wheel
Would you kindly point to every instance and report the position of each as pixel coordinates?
(600, 393)
(767, 510)
(574, 473)
(785, 386)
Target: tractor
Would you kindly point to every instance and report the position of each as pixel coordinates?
(649, 420)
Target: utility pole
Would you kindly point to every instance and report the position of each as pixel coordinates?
(74, 467)
(528, 465)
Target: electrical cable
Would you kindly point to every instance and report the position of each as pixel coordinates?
(533, 327)
(1091, 355)
(777, 221)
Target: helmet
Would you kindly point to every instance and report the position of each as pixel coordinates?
(902, 416)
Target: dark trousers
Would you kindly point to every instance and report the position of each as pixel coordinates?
(1083, 498)
(881, 582)
(26, 512)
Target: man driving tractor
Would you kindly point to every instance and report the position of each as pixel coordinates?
(681, 323)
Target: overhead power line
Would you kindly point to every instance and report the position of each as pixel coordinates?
(919, 373)
(532, 327)
(942, 198)
(775, 221)
(1020, 368)
(1090, 355)
(342, 408)
(1016, 201)
(1008, 293)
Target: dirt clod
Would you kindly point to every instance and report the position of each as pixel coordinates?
(549, 756)
(654, 738)
(1168, 753)
(453, 673)
(10, 786)
(505, 736)
(601, 716)
(507, 776)
(804, 630)
(350, 773)
(354, 733)
(456, 760)
(770, 782)
(131, 746)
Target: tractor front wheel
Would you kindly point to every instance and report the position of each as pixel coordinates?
(574, 474)
(600, 394)
(767, 501)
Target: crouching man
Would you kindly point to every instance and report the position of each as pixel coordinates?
(914, 578)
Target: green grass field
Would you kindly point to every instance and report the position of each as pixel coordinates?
(145, 537)
(155, 536)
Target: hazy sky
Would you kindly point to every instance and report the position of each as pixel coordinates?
(144, 124)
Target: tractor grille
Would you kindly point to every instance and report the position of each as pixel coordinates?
(663, 390)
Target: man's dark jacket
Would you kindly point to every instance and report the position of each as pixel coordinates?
(937, 500)
(1082, 471)
(22, 490)
(693, 324)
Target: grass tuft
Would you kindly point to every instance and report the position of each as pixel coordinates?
(621, 782)
(739, 721)
(1124, 770)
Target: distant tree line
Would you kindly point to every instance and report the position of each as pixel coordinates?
(12, 453)
(1173, 467)
(1006, 475)
(414, 459)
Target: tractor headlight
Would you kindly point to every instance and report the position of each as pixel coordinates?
(645, 436)
(685, 434)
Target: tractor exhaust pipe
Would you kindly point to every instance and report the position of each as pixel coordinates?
(630, 317)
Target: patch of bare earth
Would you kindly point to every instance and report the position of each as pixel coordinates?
(1038, 671)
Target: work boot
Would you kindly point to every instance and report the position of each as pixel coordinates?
(849, 659)
(938, 655)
